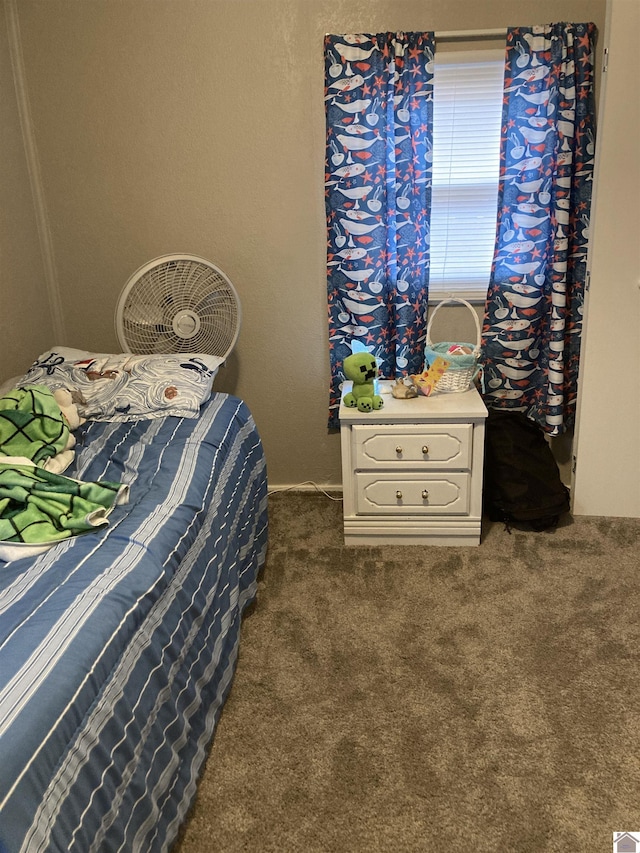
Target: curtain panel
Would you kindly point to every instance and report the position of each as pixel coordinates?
(379, 118)
(533, 313)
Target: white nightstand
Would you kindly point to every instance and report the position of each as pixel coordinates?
(412, 471)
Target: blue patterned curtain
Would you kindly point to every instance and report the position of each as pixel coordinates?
(533, 315)
(379, 111)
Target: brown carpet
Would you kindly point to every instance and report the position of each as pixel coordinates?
(431, 699)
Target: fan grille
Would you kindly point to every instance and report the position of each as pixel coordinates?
(179, 304)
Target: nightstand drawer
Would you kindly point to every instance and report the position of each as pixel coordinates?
(391, 494)
(384, 446)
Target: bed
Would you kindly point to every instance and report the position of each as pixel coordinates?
(118, 646)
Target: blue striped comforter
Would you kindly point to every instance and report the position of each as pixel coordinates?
(117, 648)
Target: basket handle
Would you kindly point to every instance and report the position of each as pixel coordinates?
(473, 313)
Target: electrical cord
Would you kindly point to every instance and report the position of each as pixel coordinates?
(305, 483)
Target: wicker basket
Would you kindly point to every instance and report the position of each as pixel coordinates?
(463, 368)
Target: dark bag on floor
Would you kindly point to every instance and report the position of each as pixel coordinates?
(521, 478)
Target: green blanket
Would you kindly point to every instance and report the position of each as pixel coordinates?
(40, 507)
(31, 424)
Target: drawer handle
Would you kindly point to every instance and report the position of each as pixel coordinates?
(398, 450)
(399, 495)
(425, 494)
(425, 449)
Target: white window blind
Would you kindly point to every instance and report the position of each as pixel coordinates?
(466, 161)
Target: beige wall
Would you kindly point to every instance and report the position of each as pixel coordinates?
(198, 126)
(607, 478)
(25, 315)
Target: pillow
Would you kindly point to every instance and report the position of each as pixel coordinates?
(125, 387)
(9, 384)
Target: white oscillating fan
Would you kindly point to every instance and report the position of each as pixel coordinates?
(178, 303)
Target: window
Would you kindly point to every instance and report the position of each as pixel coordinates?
(466, 163)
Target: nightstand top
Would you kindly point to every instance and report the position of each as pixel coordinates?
(463, 405)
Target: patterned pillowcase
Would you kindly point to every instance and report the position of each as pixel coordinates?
(125, 387)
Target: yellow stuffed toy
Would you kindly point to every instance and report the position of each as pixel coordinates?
(61, 461)
(427, 381)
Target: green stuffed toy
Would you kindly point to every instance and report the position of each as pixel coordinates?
(362, 369)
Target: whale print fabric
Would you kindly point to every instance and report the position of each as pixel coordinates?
(533, 316)
(379, 118)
